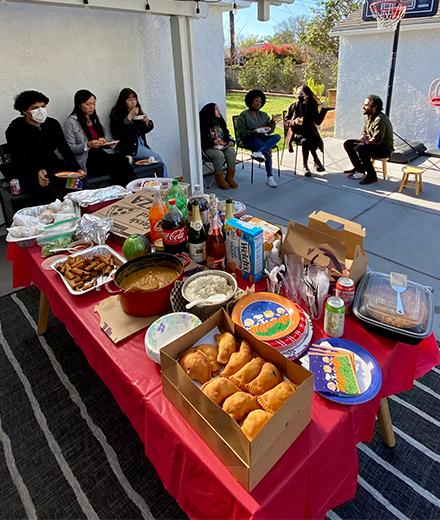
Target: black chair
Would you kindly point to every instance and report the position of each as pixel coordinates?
(208, 167)
(240, 144)
(10, 203)
(297, 145)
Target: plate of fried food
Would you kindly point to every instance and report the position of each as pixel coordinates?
(86, 270)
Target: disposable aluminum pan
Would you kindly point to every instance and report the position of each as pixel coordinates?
(375, 304)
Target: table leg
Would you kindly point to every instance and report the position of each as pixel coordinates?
(385, 424)
(43, 314)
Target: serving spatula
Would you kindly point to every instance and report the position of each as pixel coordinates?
(399, 282)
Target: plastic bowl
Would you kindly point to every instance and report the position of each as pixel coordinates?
(167, 329)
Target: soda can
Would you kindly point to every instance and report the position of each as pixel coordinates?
(15, 186)
(334, 317)
(345, 290)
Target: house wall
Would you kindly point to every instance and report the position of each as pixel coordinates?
(59, 50)
(364, 68)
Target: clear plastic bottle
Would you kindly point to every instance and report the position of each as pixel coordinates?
(176, 193)
(157, 211)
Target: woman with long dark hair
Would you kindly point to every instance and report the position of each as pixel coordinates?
(218, 145)
(301, 123)
(89, 142)
(129, 124)
(255, 129)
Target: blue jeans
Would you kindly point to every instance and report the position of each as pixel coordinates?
(144, 153)
(263, 144)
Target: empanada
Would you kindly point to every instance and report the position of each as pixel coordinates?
(239, 404)
(247, 372)
(238, 359)
(219, 389)
(273, 399)
(269, 377)
(210, 352)
(196, 365)
(254, 422)
(227, 345)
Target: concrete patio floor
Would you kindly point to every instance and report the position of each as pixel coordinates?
(403, 231)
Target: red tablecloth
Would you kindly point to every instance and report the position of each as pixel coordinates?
(317, 473)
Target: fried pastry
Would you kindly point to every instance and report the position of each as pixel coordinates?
(227, 345)
(196, 365)
(239, 404)
(254, 422)
(219, 389)
(269, 377)
(247, 373)
(238, 359)
(274, 398)
(210, 352)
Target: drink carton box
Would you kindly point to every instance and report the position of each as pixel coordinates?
(245, 249)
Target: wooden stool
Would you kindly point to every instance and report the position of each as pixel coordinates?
(384, 167)
(417, 172)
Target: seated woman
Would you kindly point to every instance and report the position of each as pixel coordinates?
(88, 141)
(39, 149)
(254, 128)
(301, 123)
(218, 145)
(130, 124)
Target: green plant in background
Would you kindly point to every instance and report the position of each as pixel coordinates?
(317, 88)
(260, 70)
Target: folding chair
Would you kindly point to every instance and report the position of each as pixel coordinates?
(209, 167)
(240, 144)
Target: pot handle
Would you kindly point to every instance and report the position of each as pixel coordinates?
(112, 291)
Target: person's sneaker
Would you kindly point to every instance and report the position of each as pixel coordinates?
(319, 167)
(271, 182)
(352, 170)
(307, 173)
(258, 156)
(357, 176)
(368, 180)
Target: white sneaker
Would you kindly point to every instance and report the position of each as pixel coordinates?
(358, 176)
(271, 182)
(258, 156)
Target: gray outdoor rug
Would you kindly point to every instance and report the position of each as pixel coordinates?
(67, 451)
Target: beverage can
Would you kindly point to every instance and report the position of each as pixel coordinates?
(15, 186)
(334, 317)
(345, 290)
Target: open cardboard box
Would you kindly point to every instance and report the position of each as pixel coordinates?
(340, 250)
(248, 461)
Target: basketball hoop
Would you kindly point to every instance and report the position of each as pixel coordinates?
(388, 13)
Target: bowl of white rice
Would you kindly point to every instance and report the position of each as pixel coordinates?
(206, 284)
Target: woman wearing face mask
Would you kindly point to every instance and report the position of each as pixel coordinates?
(129, 124)
(88, 141)
(254, 129)
(218, 145)
(38, 148)
(301, 123)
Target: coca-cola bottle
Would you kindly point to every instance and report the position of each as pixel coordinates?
(173, 230)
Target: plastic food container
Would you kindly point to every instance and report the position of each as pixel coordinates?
(375, 304)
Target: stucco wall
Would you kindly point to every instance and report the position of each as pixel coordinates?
(364, 68)
(59, 50)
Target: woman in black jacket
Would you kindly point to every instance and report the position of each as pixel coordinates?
(218, 145)
(129, 124)
(301, 123)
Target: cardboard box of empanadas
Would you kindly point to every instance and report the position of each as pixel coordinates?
(247, 401)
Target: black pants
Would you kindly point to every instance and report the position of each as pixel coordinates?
(100, 162)
(309, 145)
(360, 155)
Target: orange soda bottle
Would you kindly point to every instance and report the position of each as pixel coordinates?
(157, 211)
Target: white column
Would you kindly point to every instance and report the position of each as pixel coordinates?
(187, 106)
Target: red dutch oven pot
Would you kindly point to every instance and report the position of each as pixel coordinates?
(144, 302)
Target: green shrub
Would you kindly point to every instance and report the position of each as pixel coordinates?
(260, 71)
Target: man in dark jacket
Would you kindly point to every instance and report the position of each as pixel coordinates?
(38, 148)
(376, 142)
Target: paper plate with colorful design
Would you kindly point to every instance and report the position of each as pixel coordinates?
(167, 329)
(266, 315)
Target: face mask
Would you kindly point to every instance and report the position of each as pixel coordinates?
(39, 115)
(301, 98)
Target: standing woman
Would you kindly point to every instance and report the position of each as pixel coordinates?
(301, 123)
(254, 128)
(218, 145)
(130, 124)
(88, 141)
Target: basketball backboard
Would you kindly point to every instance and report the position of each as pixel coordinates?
(414, 9)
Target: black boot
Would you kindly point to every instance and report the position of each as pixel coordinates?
(319, 167)
(307, 172)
